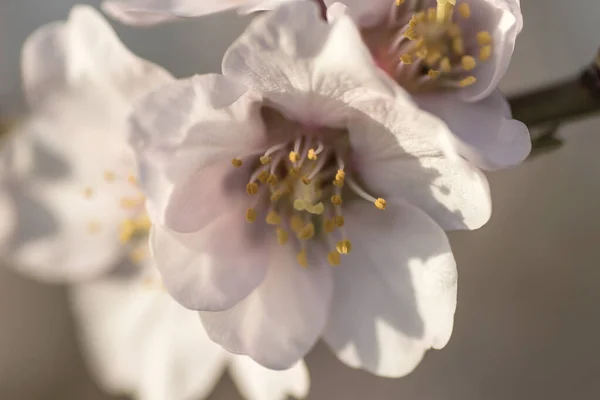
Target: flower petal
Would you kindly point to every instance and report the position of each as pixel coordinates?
(282, 319)
(308, 68)
(68, 212)
(224, 265)
(152, 12)
(503, 19)
(138, 341)
(82, 51)
(404, 153)
(365, 13)
(256, 382)
(184, 127)
(484, 132)
(395, 293)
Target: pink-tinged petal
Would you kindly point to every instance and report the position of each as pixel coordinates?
(282, 319)
(84, 51)
(308, 68)
(68, 214)
(365, 13)
(483, 132)
(139, 342)
(215, 268)
(404, 153)
(152, 12)
(503, 20)
(256, 382)
(395, 293)
(183, 131)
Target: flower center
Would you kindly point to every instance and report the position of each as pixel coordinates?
(134, 229)
(300, 187)
(429, 48)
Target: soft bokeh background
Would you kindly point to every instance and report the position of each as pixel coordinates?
(527, 325)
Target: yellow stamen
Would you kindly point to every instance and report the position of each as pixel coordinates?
(299, 205)
(339, 183)
(126, 230)
(432, 57)
(380, 203)
(444, 10)
(294, 157)
(264, 160)
(333, 258)
(312, 155)
(273, 218)
(445, 65)
(296, 223)
(410, 34)
(293, 172)
(483, 38)
(143, 223)
(468, 63)
(485, 52)
(109, 176)
(468, 81)
(433, 74)
(301, 258)
(263, 177)
(328, 225)
(340, 174)
(458, 46)
(305, 180)
(307, 232)
(272, 180)
(399, 2)
(282, 236)
(94, 227)
(336, 199)
(406, 59)
(250, 215)
(138, 254)
(251, 188)
(338, 220)
(343, 246)
(88, 192)
(316, 209)
(236, 162)
(464, 10)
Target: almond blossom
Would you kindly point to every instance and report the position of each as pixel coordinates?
(296, 197)
(74, 213)
(450, 55)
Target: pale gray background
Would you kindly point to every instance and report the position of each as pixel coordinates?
(527, 326)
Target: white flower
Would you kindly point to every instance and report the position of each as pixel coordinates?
(328, 168)
(68, 179)
(450, 55)
(150, 12)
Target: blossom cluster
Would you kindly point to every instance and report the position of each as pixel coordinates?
(234, 219)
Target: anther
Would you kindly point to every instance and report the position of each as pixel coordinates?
(464, 10)
(294, 156)
(109, 176)
(88, 192)
(236, 162)
(467, 62)
(485, 52)
(282, 236)
(340, 174)
(338, 220)
(307, 232)
(339, 183)
(306, 180)
(312, 155)
(316, 209)
(273, 218)
(445, 65)
(336, 199)
(126, 230)
(264, 160)
(433, 74)
(380, 203)
(251, 188)
(296, 223)
(299, 205)
(143, 223)
(263, 177)
(468, 81)
(250, 215)
(272, 180)
(333, 258)
(410, 34)
(483, 38)
(406, 59)
(301, 258)
(343, 246)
